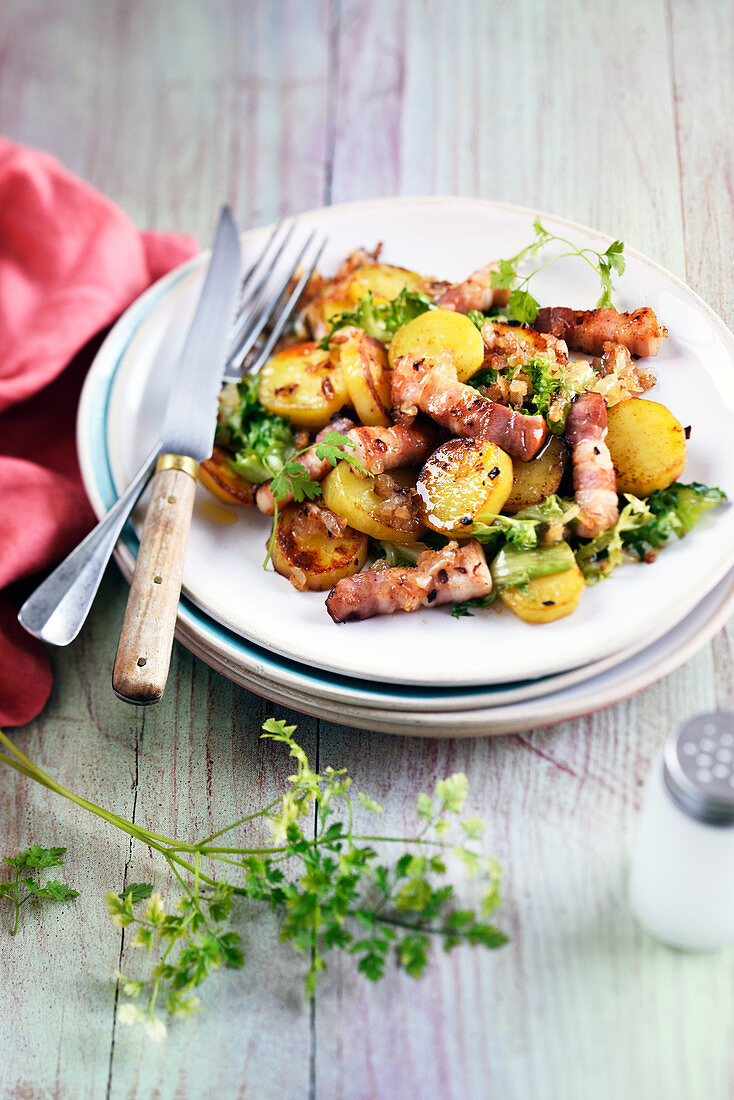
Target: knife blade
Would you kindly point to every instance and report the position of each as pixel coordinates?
(146, 639)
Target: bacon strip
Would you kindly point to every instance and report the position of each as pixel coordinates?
(476, 292)
(377, 449)
(588, 330)
(594, 480)
(432, 386)
(457, 572)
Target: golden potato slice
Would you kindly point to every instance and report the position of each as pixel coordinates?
(383, 280)
(465, 481)
(310, 549)
(441, 330)
(535, 480)
(544, 599)
(216, 475)
(647, 445)
(303, 384)
(364, 363)
(358, 500)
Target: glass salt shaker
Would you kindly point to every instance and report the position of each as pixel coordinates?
(681, 886)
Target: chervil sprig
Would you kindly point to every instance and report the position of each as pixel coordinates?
(22, 887)
(331, 887)
(295, 481)
(522, 305)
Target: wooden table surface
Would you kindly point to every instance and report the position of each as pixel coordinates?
(615, 115)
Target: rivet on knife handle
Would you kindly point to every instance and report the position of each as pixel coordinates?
(144, 651)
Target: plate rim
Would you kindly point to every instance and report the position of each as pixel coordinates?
(134, 316)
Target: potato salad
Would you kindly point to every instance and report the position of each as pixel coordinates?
(419, 442)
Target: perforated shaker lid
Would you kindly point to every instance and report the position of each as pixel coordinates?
(699, 768)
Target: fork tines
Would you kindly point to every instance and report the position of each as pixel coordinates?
(266, 302)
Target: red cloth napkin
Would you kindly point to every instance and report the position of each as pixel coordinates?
(70, 263)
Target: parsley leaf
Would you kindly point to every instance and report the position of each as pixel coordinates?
(136, 891)
(294, 480)
(522, 305)
(21, 887)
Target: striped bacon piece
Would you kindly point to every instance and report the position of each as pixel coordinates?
(431, 386)
(594, 480)
(377, 449)
(476, 292)
(588, 330)
(457, 572)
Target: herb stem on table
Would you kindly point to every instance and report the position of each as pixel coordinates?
(331, 891)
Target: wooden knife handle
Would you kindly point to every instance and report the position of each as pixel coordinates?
(146, 639)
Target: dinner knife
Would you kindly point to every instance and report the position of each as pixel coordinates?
(146, 640)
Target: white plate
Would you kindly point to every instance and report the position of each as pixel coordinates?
(618, 682)
(449, 237)
(241, 660)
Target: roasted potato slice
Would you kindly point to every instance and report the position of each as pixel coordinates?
(535, 480)
(303, 384)
(363, 361)
(440, 330)
(313, 549)
(647, 445)
(384, 281)
(363, 505)
(216, 475)
(464, 481)
(544, 599)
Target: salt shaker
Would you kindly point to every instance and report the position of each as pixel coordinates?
(681, 886)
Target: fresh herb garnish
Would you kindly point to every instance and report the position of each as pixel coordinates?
(522, 305)
(294, 480)
(22, 887)
(381, 320)
(261, 442)
(331, 885)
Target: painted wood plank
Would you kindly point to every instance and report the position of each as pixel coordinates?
(529, 103)
(702, 43)
(56, 986)
(168, 128)
(488, 107)
(467, 97)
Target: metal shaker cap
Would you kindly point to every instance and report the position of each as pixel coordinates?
(698, 768)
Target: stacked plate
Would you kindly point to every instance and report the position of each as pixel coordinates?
(427, 673)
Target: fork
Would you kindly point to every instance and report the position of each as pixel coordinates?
(56, 611)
